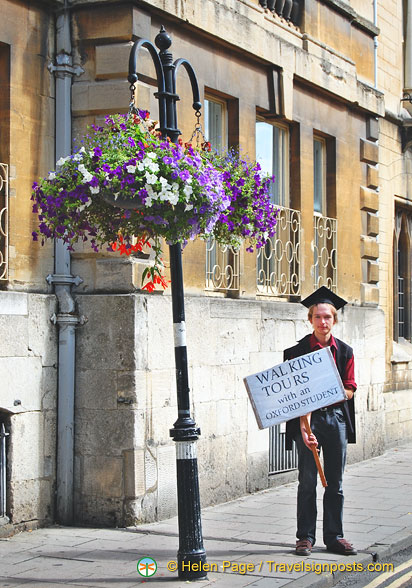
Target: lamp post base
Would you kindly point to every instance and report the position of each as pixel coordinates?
(191, 555)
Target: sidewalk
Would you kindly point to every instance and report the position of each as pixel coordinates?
(257, 530)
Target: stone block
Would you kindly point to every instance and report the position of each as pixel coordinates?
(158, 427)
(104, 432)
(134, 480)
(257, 467)
(234, 309)
(373, 272)
(99, 511)
(17, 345)
(111, 23)
(372, 177)
(150, 469)
(96, 389)
(13, 303)
(32, 500)
(167, 494)
(42, 334)
(369, 200)
(372, 129)
(160, 341)
(21, 379)
(369, 152)
(369, 294)
(49, 388)
(112, 61)
(369, 248)
(162, 389)
(108, 345)
(26, 445)
(372, 224)
(103, 476)
(104, 96)
(257, 439)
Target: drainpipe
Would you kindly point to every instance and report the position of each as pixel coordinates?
(408, 48)
(67, 317)
(375, 42)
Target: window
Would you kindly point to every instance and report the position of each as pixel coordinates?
(402, 275)
(216, 123)
(319, 176)
(272, 152)
(324, 244)
(222, 262)
(278, 262)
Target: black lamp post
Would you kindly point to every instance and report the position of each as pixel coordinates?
(191, 555)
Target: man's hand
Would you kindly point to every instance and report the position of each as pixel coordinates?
(349, 393)
(308, 439)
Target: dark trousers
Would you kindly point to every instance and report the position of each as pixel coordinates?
(329, 427)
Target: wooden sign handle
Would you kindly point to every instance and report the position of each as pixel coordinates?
(315, 453)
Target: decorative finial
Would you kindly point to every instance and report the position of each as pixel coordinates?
(163, 40)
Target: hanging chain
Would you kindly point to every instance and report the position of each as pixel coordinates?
(132, 107)
(198, 133)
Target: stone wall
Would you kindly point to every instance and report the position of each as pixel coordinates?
(28, 362)
(126, 397)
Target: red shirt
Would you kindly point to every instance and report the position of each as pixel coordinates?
(348, 379)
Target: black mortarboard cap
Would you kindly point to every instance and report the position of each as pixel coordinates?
(323, 294)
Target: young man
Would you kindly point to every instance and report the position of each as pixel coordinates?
(332, 428)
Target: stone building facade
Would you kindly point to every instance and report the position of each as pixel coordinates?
(313, 89)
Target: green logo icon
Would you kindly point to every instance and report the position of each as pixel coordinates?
(146, 567)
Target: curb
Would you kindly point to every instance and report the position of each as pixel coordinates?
(377, 552)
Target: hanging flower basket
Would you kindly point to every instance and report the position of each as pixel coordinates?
(126, 182)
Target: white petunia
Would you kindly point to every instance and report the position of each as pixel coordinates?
(153, 166)
(94, 190)
(131, 169)
(150, 178)
(151, 155)
(52, 176)
(187, 191)
(62, 160)
(165, 183)
(188, 207)
(87, 176)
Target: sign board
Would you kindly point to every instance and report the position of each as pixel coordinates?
(295, 388)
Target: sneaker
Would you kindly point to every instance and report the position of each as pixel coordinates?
(303, 547)
(342, 547)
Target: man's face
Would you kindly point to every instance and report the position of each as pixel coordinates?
(322, 320)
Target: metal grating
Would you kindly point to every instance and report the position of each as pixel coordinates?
(222, 267)
(3, 471)
(324, 245)
(280, 458)
(278, 262)
(4, 221)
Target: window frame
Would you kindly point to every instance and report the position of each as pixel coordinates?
(284, 196)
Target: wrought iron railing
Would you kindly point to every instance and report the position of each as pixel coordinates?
(324, 246)
(280, 458)
(222, 267)
(290, 10)
(278, 262)
(3, 471)
(4, 221)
